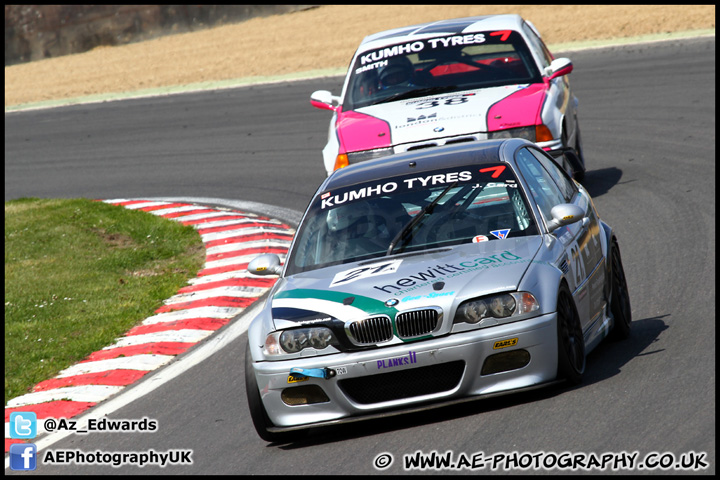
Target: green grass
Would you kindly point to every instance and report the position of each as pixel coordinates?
(79, 274)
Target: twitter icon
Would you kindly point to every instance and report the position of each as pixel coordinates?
(23, 425)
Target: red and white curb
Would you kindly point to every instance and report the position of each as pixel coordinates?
(222, 290)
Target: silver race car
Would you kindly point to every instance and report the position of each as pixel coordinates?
(432, 277)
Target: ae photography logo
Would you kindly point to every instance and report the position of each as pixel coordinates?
(24, 456)
(548, 461)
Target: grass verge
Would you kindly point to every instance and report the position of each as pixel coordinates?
(79, 274)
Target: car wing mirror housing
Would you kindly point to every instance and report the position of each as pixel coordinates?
(559, 67)
(323, 99)
(266, 264)
(564, 214)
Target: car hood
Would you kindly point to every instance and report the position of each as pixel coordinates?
(439, 116)
(441, 278)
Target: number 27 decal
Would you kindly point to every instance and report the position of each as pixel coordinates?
(353, 274)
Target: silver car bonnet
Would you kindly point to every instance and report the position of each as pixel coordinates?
(441, 277)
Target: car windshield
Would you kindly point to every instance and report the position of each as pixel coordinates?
(411, 213)
(438, 65)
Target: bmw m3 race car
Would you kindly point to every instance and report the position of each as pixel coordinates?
(452, 81)
(432, 277)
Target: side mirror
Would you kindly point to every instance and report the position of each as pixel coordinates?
(323, 99)
(564, 214)
(266, 264)
(559, 67)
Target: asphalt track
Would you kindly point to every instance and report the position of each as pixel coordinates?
(648, 121)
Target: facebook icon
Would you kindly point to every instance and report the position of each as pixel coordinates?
(23, 425)
(23, 456)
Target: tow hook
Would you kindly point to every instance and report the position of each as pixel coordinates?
(325, 373)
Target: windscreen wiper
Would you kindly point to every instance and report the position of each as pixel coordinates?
(426, 210)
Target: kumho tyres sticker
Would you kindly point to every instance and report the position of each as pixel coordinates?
(375, 58)
(329, 200)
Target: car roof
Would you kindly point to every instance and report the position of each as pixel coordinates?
(434, 158)
(454, 26)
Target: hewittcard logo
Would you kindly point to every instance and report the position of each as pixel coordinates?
(441, 271)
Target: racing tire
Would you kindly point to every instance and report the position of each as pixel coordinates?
(620, 300)
(571, 344)
(578, 175)
(259, 416)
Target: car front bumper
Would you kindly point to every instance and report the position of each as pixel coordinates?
(411, 375)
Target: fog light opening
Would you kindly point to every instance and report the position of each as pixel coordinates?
(505, 361)
(304, 395)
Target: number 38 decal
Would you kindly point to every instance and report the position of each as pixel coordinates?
(447, 101)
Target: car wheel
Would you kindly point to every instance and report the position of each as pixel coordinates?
(259, 416)
(620, 301)
(571, 344)
(578, 175)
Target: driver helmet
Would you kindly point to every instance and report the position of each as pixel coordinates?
(399, 71)
(345, 216)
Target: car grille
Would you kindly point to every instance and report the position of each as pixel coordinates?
(564, 266)
(416, 322)
(437, 142)
(408, 383)
(371, 330)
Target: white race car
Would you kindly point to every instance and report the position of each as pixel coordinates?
(453, 81)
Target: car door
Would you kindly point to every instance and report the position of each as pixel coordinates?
(550, 186)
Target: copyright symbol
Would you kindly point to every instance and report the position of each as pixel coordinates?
(383, 461)
(50, 424)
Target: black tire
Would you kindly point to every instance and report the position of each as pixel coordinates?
(578, 175)
(259, 416)
(620, 299)
(571, 344)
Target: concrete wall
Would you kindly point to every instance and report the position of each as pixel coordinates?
(34, 32)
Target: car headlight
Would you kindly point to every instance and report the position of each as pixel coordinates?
(527, 133)
(350, 158)
(297, 339)
(496, 309)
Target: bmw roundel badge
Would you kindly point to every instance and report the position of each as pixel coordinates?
(438, 129)
(392, 302)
